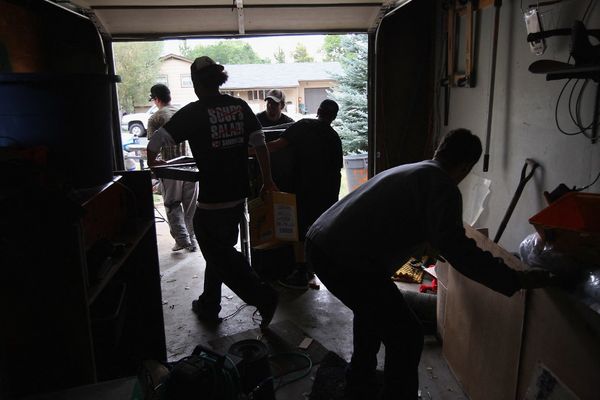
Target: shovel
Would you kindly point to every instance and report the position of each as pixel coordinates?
(525, 177)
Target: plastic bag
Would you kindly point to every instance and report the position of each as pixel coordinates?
(537, 253)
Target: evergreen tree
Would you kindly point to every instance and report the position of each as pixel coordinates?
(301, 54)
(351, 95)
(279, 55)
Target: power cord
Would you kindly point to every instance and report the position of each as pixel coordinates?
(302, 374)
(574, 109)
(160, 218)
(588, 186)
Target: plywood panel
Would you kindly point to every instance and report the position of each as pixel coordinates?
(482, 331)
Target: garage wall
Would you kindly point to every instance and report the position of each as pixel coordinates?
(523, 117)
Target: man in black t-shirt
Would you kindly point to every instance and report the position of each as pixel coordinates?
(316, 151)
(219, 129)
(272, 115)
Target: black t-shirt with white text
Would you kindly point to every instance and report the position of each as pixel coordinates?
(217, 129)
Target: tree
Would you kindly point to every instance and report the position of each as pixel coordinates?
(351, 95)
(332, 47)
(279, 55)
(301, 55)
(138, 65)
(227, 52)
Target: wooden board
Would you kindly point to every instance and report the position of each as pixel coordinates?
(482, 331)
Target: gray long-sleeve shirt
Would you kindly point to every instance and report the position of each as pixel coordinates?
(398, 211)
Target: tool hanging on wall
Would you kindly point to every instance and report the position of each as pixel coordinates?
(525, 177)
(488, 135)
(587, 65)
(457, 9)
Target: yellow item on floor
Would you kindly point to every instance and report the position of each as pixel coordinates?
(409, 272)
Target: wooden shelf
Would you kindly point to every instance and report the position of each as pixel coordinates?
(131, 240)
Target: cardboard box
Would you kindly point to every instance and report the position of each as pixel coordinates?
(273, 220)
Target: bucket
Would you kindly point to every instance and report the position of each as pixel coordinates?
(356, 170)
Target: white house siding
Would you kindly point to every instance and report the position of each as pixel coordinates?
(174, 69)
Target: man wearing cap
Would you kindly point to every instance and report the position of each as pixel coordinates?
(219, 129)
(179, 197)
(272, 115)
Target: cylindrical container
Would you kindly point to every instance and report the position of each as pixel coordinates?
(356, 170)
(254, 369)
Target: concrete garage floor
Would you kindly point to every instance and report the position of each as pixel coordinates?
(319, 314)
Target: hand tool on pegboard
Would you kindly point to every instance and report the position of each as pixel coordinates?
(525, 177)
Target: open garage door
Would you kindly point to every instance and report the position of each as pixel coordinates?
(161, 19)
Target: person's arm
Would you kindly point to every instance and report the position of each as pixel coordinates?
(447, 234)
(159, 139)
(153, 124)
(272, 146)
(257, 141)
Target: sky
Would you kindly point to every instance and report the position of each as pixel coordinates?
(264, 46)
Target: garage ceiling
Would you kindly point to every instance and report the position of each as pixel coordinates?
(161, 19)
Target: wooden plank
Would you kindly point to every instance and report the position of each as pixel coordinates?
(482, 331)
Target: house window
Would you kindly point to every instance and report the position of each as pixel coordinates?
(164, 79)
(256, 94)
(186, 81)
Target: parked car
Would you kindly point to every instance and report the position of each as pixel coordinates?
(137, 123)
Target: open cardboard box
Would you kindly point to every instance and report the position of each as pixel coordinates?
(273, 220)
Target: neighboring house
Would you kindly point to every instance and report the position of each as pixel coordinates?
(305, 84)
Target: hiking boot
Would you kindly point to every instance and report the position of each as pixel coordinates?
(296, 280)
(204, 314)
(267, 310)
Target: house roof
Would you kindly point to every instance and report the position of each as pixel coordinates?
(242, 76)
(174, 56)
(252, 76)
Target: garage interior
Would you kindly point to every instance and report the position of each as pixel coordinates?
(434, 66)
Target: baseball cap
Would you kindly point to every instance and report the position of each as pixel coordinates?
(276, 95)
(159, 91)
(201, 63)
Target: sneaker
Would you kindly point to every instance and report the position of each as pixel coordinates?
(203, 314)
(192, 248)
(267, 311)
(178, 246)
(296, 280)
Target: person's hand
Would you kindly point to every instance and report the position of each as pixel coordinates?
(154, 163)
(536, 278)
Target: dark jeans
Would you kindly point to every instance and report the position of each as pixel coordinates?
(380, 316)
(217, 234)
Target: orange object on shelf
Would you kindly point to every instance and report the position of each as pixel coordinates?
(572, 225)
